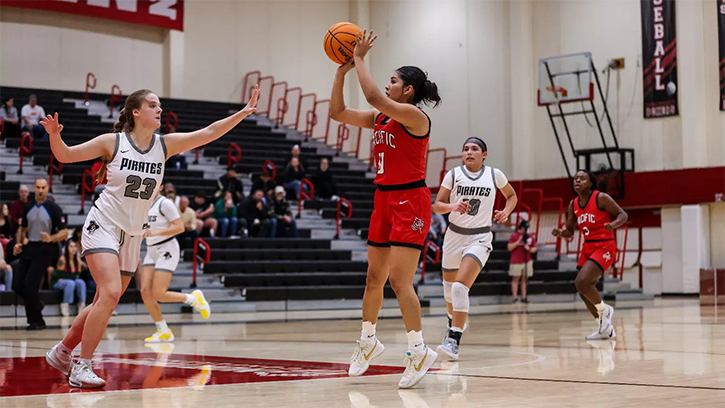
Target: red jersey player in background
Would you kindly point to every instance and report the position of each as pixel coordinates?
(592, 211)
(402, 209)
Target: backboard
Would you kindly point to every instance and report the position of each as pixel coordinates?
(565, 78)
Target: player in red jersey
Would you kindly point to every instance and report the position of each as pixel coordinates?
(592, 211)
(402, 209)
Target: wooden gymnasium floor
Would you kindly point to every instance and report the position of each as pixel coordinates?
(668, 353)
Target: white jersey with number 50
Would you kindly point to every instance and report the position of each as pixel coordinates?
(134, 176)
(479, 189)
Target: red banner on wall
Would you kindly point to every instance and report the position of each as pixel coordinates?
(157, 13)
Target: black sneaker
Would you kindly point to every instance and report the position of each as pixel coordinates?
(525, 300)
(36, 326)
(516, 300)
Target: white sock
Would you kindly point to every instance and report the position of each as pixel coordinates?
(162, 327)
(457, 329)
(190, 299)
(368, 333)
(415, 340)
(450, 316)
(85, 360)
(600, 306)
(62, 348)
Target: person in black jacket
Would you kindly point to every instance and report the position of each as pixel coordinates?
(265, 182)
(323, 181)
(231, 183)
(255, 210)
(294, 172)
(281, 215)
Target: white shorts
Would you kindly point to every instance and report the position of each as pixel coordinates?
(102, 235)
(458, 246)
(164, 256)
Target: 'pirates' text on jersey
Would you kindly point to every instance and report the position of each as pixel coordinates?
(134, 176)
(478, 189)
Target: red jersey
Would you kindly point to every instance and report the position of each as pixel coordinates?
(591, 219)
(399, 155)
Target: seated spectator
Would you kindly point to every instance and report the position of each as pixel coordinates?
(177, 161)
(188, 218)
(296, 153)
(6, 271)
(9, 115)
(255, 211)
(16, 207)
(204, 211)
(225, 213)
(437, 229)
(7, 227)
(265, 182)
(67, 278)
(281, 215)
(231, 183)
(32, 113)
(294, 172)
(323, 181)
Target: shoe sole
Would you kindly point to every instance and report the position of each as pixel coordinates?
(55, 365)
(84, 386)
(373, 357)
(158, 341)
(444, 351)
(423, 371)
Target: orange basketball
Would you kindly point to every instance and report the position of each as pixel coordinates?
(340, 41)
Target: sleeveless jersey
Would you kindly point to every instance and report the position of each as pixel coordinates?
(163, 211)
(591, 219)
(134, 176)
(399, 155)
(479, 189)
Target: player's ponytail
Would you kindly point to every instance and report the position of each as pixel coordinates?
(125, 121)
(423, 89)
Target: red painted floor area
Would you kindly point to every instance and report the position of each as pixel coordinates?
(33, 376)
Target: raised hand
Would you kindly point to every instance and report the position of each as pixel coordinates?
(346, 67)
(364, 43)
(52, 125)
(252, 104)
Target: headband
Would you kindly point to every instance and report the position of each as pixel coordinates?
(477, 141)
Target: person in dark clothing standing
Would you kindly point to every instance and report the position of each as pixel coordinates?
(42, 227)
(231, 183)
(323, 181)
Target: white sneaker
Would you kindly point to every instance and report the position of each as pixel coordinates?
(201, 305)
(81, 306)
(82, 376)
(360, 360)
(605, 319)
(59, 360)
(160, 337)
(416, 366)
(64, 309)
(449, 347)
(607, 335)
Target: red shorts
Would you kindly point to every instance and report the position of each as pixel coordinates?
(600, 252)
(400, 218)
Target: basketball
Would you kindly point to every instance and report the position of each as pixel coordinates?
(340, 41)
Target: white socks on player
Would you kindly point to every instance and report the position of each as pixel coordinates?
(190, 299)
(62, 348)
(600, 306)
(415, 341)
(162, 327)
(367, 336)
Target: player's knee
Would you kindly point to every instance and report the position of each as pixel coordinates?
(581, 282)
(375, 280)
(159, 294)
(110, 296)
(399, 284)
(448, 291)
(147, 292)
(460, 300)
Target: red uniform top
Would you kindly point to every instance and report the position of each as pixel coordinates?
(399, 155)
(591, 219)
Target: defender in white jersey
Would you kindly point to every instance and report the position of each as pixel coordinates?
(468, 193)
(134, 158)
(162, 257)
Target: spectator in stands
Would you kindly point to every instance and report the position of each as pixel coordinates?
(67, 278)
(204, 210)
(225, 213)
(7, 227)
(281, 215)
(230, 183)
(42, 226)
(437, 229)
(188, 218)
(32, 113)
(297, 154)
(6, 271)
(521, 245)
(323, 181)
(294, 172)
(169, 192)
(9, 115)
(256, 213)
(265, 181)
(177, 161)
(17, 206)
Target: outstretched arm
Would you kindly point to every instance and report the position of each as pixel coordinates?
(99, 146)
(340, 112)
(181, 142)
(606, 202)
(405, 113)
